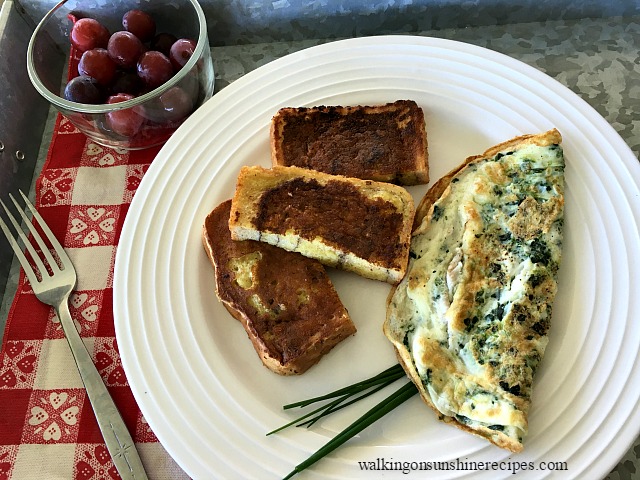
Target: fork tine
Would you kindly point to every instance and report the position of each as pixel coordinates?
(36, 236)
(62, 254)
(28, 270)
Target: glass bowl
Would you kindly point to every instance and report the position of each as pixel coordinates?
(151, 117)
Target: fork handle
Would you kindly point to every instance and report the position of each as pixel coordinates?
(116, 435)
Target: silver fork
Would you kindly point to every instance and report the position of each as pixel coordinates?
(54, 289)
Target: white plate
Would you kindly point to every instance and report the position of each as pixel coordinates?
(195, 374)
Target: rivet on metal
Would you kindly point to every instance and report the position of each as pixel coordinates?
(20, 155)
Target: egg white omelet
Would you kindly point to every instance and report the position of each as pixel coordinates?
(469, 321)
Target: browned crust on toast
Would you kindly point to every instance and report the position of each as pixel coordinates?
(385, 143)
(286, 302)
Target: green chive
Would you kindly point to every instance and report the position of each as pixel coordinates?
(395, 371)
(381, 380)
(338, 405)
(324, 407)
(374, 414)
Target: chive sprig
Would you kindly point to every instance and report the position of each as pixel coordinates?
(344, 397)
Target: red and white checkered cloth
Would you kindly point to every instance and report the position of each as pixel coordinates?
(47, 427)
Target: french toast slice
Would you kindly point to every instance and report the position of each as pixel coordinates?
(356, 225)
(385, 143)
(285, 301)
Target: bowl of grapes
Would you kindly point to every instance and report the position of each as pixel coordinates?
(127, 74)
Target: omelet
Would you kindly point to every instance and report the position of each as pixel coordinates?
(470, 319)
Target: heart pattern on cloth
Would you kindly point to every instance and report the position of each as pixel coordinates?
(52, 174)
(77, 226)
(103, 360)
(92, 238)
(117, 377)
(77, 299)
(89, 313)
(96, 464)
(135, 177)
(55, 416)
(56, 186)
(64, 185)
(133, 183)
(70, 415)
(27, 364)
(84, 471)
(66, 127)
(19, 363)
(107, 224)
(91, 226)
(93, 149)
(103, 156)
(14, 349)
(58, 399)
(95, 213)
(101, 454)
(108, 159)
(8, 379)
(38, 416)
(48, 198)
(52, 432)
(109, 364)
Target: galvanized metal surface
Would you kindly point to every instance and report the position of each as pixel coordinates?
(256, 21)
(23, 113)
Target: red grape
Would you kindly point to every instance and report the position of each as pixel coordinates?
(124, 122)
(83, 89)
(154, 68)
(126, 82)
(125, 49)
(97, 64)
(162, 42)
(88, 33)
(176, 103)
(181, 52)
(140, 23)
